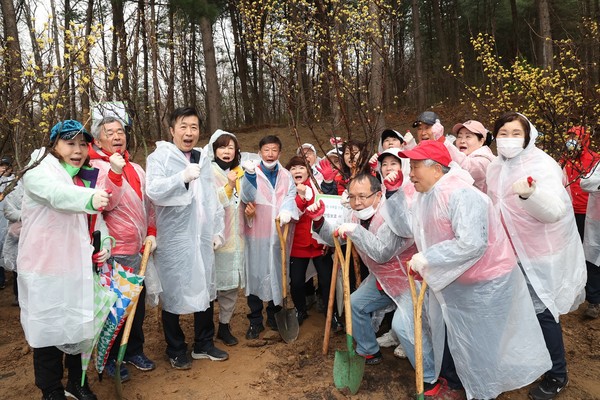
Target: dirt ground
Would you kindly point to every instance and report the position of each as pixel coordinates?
(275, 370)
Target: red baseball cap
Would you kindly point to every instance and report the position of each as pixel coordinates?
(429, 150)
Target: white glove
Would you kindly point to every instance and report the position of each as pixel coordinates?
(117, 163)
(284, 217)
(152, 240)
(308, 195)
(345, 228)
(524, 187)
(417, 263)
(191, 172)
(249, 166)
(408, 137)
(100, 199)
(217, 242)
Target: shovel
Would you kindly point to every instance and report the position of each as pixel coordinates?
(348, 367)
(417, 311)
(128, 324)
(334, 272)
(287, 321)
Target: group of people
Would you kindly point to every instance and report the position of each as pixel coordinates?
(495, 238)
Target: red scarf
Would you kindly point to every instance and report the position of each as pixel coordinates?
(128, 171)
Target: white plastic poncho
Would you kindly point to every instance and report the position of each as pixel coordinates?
(263, 251)
(187, 221)
(229, 258)
(591, 235)
(12, 212)
(476, 290)
(542, 228)
(56, 287)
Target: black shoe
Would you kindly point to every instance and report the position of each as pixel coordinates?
(74, 389)
(336, 324)
(180, 362)
(254, 331)
(301, 315)
(58, 394)
(224, 334)
(213, 354)
(271, 323)
(548, 388)
(374, 359)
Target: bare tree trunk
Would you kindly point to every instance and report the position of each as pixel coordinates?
(146, 82)
(213, 93)
(123, 67)
(515, 26)
(86, 68)
(241, 57)
(419, 84)
(377, 72)
(545, 39)
(68, 65)
(55, 32)
(161, 127)
(171, 81)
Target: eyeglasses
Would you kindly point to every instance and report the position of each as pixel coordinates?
(361, 197)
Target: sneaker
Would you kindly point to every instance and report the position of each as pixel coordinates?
(225, 335)
(441, 391)
(388, 339)
(111, 367)
(301, 315)
(180, 362)
(374, 359)
(75, 390)
(58, 394)
(433, 389)
(141, 362)
(213, 354)
(254, 331)
(548, 388)
(399, 352)
(593, 311)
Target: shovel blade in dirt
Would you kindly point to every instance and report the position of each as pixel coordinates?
(348, 368)
(287, 324)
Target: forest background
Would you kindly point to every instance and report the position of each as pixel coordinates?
(320, 67)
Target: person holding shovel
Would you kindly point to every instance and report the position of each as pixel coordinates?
(485, 336)
(129, 218)
(190, 225)
(56, 286)
(271, 189)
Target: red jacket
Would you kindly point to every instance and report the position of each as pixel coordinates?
(304, 246)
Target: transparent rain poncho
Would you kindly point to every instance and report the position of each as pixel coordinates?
(12, 212)
(542, 228)
(591, 236)
(56, 286)
(263, 251)
(187, 221)
(477, 293)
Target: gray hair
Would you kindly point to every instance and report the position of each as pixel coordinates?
(430, 163)
(97, 126)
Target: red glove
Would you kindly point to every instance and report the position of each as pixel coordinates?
(315, 211)
(393, 181)
(325, 168)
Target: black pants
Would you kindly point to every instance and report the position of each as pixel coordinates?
(592, 286)
(15, 284)
(552, 332)
(204, 330)
(298, 266)
(48, 368)
(135, 344)
(256, 306)
(448, 369)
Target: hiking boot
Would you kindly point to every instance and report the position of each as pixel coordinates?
(141, 362)
(213, 354)
(58, 394)
(180, 362)
(224, 334)
(388, 339)
(301, 315)
(254, 331)
(111, 367)
(593, 311)
(75, 390)
(374, 359)
(548, 388)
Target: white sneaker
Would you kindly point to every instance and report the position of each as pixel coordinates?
(399, 351)
(388, 339)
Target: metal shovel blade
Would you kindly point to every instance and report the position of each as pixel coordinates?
(287, 324)
(348, 369)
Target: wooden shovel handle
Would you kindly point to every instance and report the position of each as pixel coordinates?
(417, 311)
(347, 307)
(283, 243)
(330, 305)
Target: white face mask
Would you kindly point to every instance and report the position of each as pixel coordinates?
(509, 147)
(365, 213)
(270, 165)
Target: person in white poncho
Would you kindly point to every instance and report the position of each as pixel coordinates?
(485, 336)
(526, 186)
(189, 223)
(272, 189)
